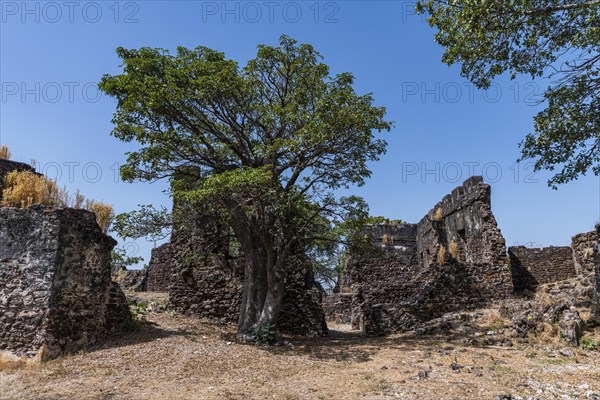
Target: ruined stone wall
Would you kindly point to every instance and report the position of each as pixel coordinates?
(532, 267)
(462, 220)
(410, 284)
(159, 277)
(207, 281)
(338, 308)
(204, 275)
(56, 293)
(583, 246)
(596, 308)
(393, 256)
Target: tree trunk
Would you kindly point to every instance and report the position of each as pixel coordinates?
(263, 288)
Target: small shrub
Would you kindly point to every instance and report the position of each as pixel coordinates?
(589, 344)
(139, 311)
(441, 255)
(265, 334)
(453, 249)
(5, 153)
(438, 215)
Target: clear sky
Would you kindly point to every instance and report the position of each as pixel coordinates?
(54, 53)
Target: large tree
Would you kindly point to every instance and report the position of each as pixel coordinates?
(557, 39)
(273, 141)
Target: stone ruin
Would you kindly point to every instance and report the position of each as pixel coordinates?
(57, 296)
(532, 267)
(453, 259)
(596, 304)
(203, 272)
(56, 292)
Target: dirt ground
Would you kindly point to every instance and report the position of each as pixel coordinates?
(175, 357)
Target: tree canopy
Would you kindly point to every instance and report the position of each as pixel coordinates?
(557, 39)
(270, 142)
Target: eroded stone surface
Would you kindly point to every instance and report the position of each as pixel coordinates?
(203, 273)
(453, 259)
(56, 293)
(532, 267)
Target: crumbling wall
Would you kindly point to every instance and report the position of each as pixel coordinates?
(532, 267)
(453, 259)
(338, 307)
(596, 308)
(462, 223)
(393, 256)
(207, 279)
(204, 274)
(56, 293)
(583, 246)
(159, 277)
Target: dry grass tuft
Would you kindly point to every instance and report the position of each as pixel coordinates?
(441, 255)
(104, 213)
(438, 215)
(494, 321)
(5, 152)
(453, 249)
(386, 239)
(25, 188)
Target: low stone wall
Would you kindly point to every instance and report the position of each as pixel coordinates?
(532, 267)
(56, 293)
(338, 308)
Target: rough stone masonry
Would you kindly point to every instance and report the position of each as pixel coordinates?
(453, 259)
(203, 272)
(56, 293)
(597, 268)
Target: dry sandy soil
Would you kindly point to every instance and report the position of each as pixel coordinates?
(174, 357)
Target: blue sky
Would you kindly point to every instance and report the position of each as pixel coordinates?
(52, 54)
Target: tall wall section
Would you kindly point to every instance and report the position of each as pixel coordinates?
(596, 308)
(454, 258)
(56, 293)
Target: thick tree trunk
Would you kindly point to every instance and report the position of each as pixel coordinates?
(263, 289)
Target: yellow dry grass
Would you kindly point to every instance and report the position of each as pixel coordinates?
(25, 188)
(387, 239)
(438, 215)
(453, 249)
(5, 152)
(441, 255)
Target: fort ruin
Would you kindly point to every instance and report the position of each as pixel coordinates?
(56, 292)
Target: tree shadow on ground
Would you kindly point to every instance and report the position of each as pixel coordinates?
(354, 346)
(140, 332)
